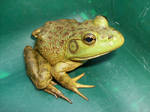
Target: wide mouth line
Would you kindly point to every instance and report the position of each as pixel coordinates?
(89, 57)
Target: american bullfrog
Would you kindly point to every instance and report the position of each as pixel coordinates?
(62, 46)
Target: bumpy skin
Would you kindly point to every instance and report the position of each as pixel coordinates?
(64, 45)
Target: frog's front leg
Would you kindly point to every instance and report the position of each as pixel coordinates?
(59, 73)
(38, 70)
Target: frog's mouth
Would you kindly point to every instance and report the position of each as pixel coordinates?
(87, 58)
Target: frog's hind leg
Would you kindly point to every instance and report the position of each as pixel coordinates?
(38, 70)
(65, 80)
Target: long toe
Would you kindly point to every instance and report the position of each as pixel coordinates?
(54, 91)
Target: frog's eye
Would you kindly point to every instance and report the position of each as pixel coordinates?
(89, 39)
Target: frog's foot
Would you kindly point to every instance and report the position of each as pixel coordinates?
(76, 85)
(71, 83)
(54, 91)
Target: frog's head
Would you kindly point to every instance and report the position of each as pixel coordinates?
(93, 38)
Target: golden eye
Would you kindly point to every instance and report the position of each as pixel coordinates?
(89, 39)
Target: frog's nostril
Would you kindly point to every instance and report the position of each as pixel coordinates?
(109, 37)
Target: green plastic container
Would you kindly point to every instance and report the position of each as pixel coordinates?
(122, 78)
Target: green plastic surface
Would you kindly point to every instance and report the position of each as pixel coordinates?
(122, 78)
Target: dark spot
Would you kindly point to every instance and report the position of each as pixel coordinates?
(59, 27)
(61, 79)
(54, 47)
(50, 37)
(80, 28)
(72, 28)
(56, 35)
(72, 35)
(61, 31)
(50, 32)
(61, 42)
(109, 37)
(66, 33)
(81, 32)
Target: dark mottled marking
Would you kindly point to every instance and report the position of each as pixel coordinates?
(59, 27)
(81, 32)
(61, 79)
(72, 35)
(66, 33)
(80, 28)
(109, 37)
(62, 42)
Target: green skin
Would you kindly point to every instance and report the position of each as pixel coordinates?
(64, 45)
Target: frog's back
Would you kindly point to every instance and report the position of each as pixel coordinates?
(52, 37)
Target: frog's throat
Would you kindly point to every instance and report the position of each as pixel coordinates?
(87, 58)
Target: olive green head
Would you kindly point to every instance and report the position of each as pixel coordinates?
(93, 38)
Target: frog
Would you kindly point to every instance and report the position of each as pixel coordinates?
(63, 45)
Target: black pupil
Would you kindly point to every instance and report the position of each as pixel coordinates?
(89, 39)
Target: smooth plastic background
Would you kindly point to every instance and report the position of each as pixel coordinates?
(122, 78)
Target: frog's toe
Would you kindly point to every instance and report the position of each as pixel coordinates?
(54, 91)
(53, 83)
(80, 94)
(84, 86)
(78, 77)
(75, 79)
(50, 92)
(78, 85)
